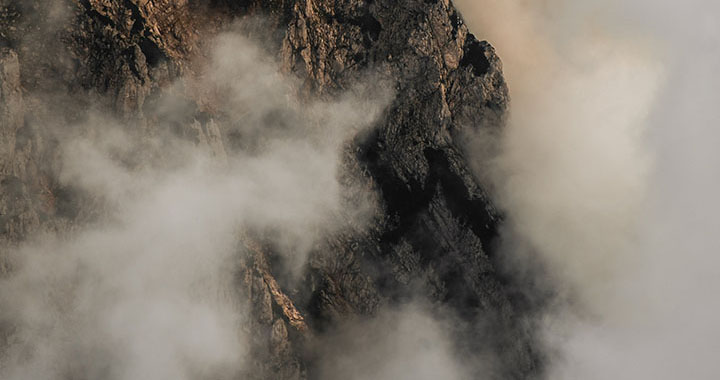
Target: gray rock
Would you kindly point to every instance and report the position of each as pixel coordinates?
(435, 228)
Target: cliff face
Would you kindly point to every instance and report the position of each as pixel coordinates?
(434, 230)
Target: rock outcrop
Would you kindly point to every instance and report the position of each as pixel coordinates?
(435, 229)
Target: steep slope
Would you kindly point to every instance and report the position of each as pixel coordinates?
(434, 228)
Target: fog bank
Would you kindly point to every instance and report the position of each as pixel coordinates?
(607, 172)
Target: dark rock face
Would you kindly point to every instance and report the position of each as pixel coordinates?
(434, 234)
(17, 211)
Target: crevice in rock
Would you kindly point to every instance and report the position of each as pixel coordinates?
(471, 211)
(138, 21)
(93, 14)
(474, 55)
(368, 24)
(153, 54)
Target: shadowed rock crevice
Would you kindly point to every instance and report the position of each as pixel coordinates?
(474, 55)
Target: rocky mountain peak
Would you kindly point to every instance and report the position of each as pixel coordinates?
(433, 227)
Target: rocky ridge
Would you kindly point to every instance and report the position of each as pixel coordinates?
(435, 231)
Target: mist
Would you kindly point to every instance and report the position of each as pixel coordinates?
(144, 286)
(403, 342)
(606, 170)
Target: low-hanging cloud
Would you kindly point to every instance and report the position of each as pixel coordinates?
(404, 342)
(144, 288)
(606, 171)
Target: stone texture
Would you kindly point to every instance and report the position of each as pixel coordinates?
(434, 231)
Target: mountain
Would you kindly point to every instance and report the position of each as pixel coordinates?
(434, 231)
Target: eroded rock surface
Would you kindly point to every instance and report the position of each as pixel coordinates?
(434, 229)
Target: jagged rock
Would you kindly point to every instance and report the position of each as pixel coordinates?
(435, 227)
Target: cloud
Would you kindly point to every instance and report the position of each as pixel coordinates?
(405, 342)
(143, 288)
(606, 172)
